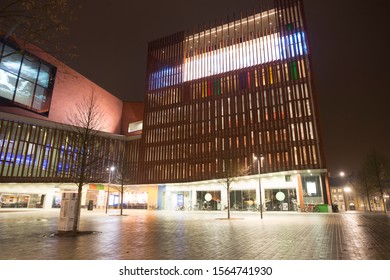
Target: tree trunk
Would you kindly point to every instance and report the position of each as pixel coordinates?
(363, 198)
(368, 199)
(77, 209)
(384, 203)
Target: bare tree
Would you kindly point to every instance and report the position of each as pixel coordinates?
(377, 169)
(123, 173)
(231, 172)
(36, 22)
(87, 120)
(363, 188)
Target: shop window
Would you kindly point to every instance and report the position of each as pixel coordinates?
(280, 199)
(242, 199)
(208, 200)
(311, 187)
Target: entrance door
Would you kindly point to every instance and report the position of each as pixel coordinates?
(42, 204)
(180, 200)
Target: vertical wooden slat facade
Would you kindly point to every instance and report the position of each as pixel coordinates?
(228, 91)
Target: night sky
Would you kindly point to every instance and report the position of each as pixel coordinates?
(350, 59)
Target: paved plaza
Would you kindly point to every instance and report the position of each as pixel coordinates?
(185, 235)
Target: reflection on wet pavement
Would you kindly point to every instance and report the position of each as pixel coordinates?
(142, 234)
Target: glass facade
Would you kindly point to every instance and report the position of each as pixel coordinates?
(25, 80)
(243, 200)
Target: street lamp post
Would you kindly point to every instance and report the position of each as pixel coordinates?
(259, 163)
(111, 169)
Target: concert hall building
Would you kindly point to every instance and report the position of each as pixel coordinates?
(38, 95)
(234, 99)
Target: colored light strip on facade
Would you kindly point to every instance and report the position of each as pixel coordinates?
(258, 51)
(254, 52)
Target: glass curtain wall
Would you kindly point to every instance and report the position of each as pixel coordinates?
(25, 80)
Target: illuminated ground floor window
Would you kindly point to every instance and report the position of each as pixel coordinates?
(242, 199)
(281, 200)
(21, 200)
(208, 200)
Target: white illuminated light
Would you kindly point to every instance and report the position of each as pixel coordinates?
(225, 59)
(135, 126)
(311, 187)
(269, 48)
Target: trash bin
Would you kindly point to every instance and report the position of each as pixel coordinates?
(90, 205)
(323, 207)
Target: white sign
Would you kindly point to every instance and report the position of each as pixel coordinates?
(280, 196)
(311, 187)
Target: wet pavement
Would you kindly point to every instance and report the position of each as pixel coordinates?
(185, 235)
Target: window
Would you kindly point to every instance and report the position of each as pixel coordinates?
(135, 126)
(25, 80)
(311, 187)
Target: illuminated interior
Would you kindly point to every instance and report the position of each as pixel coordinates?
(25, 80)
(238, 56)
(135, 126)
(266, 49)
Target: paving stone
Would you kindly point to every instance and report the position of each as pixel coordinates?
(171, 235)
